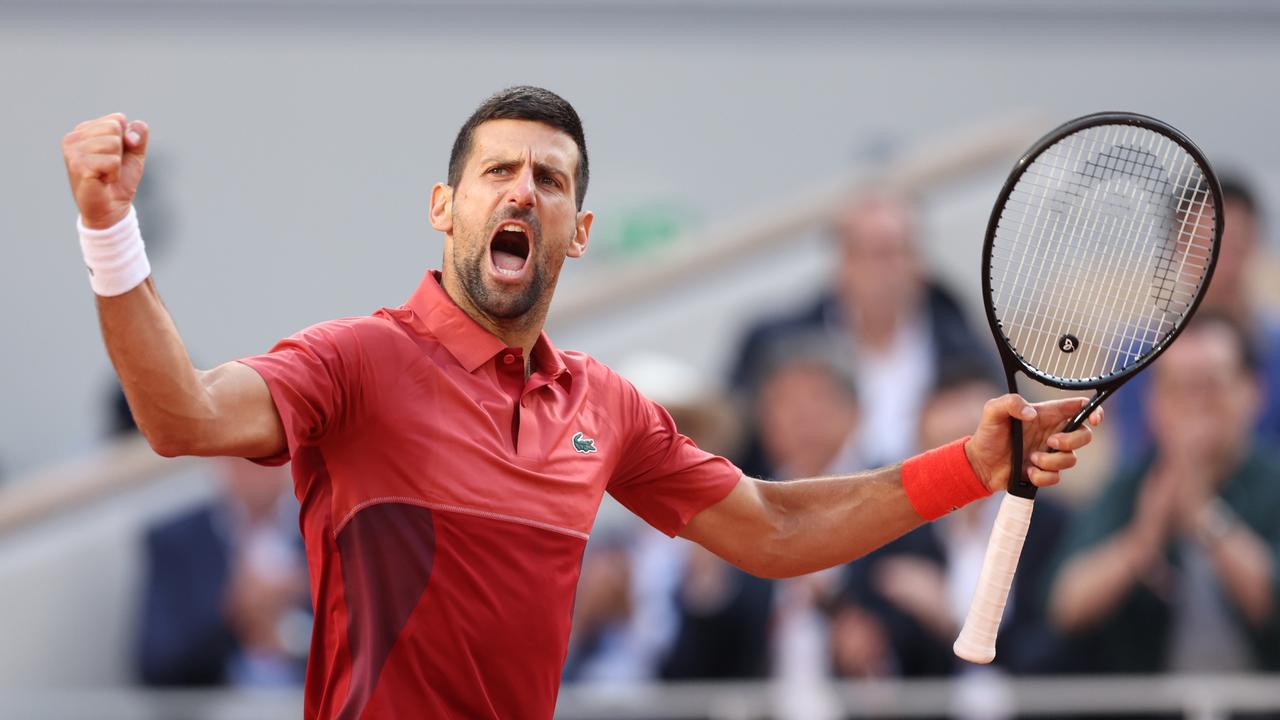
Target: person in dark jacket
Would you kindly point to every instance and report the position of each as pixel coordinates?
(225, 601)
(896, 327)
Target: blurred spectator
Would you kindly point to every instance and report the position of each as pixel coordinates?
(894, 327)
(1229, 293)
(1174, 568)
(808, 408)
(226, 588)
(809, 417)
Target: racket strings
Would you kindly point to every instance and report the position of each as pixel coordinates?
(1097, 167)
(1100, 250)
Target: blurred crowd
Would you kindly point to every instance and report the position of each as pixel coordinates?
(1165, 557)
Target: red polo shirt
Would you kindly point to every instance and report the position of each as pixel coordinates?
(446, 501)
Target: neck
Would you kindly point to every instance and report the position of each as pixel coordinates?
(519, 332)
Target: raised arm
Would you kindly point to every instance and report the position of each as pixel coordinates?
(180, 410)
(782, 529)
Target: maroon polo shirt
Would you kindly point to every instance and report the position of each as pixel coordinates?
(446, 501)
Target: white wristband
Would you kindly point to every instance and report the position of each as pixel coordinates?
(116, 256)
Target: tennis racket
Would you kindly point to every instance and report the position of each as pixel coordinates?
(1098, 251)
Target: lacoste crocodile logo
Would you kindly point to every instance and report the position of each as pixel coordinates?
(584, 444)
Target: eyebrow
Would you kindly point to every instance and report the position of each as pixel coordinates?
(537, 166)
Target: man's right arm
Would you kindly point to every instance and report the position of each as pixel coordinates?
(180, 410)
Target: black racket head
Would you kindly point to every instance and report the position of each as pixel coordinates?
(1099, 249)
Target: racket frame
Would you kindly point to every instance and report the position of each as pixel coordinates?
(1019, 485)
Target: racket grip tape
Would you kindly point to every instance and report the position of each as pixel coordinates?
(977, 640)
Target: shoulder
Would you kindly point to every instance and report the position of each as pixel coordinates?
(367, 328)
(367, 336)
(609, 393)
(602, 381)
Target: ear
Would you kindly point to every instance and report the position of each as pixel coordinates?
(578, 245)
(442, 208)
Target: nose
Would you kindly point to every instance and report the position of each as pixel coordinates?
(522, 192)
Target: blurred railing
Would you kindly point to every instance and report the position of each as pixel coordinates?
(119, 466)
(1193, 696)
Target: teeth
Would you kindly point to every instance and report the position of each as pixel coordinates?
(511, 228)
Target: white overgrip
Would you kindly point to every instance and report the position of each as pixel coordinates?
(977, 641)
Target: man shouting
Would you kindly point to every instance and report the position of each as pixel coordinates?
(449, 459)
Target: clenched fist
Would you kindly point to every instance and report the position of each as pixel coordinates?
(104, 164)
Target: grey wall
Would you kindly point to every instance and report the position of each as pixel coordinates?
(295, 143)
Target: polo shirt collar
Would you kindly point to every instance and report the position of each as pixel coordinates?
(469, 343)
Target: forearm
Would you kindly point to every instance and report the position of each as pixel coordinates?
(824, 522)
(782, 529)
(181, 410)
(163, 387)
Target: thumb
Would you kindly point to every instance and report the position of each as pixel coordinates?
(1006, 406)
(136, 136)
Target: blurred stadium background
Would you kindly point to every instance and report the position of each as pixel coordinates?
(294, 146)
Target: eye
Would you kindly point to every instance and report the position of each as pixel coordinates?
(497, 170)
(549, 180)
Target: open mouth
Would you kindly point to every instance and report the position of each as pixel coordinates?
(509, 249)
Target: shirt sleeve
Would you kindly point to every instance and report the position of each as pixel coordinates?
(313, 377)
(664, 477)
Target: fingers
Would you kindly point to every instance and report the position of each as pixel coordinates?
(1052, 461)
(101, 145)
(113, 124)
(1042, 478)
(104, 158)
(105, 167)
(1012, 405)
(1073, 440)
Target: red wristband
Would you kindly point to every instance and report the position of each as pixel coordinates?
(941, 480)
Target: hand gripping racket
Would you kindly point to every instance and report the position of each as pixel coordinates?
(1098, 251)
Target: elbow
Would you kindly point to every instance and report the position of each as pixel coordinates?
(169, 441)
(164, 445)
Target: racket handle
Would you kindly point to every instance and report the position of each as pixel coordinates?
(977, 641)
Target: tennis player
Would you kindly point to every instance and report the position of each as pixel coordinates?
(449, 459)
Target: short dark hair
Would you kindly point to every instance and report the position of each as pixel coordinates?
(524, 102)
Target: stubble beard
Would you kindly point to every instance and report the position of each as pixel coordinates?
(502, 304)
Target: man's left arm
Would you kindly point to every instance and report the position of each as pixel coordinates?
(783, 529)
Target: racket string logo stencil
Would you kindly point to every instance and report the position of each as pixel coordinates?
(1068, 343)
